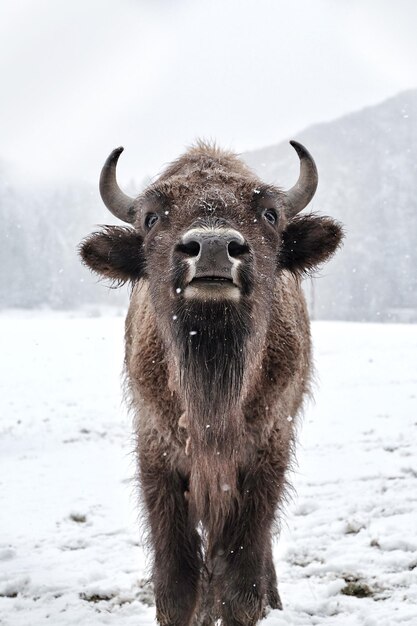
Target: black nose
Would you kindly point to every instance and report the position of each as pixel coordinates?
(214, 253)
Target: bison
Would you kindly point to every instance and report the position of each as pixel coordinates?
(218, 364)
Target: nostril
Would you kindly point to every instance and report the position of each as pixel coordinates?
(236, 249)
(190, 249)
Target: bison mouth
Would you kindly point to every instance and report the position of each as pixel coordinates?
(212, 280)
(212, 287)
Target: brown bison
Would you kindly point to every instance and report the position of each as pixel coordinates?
(218, 362)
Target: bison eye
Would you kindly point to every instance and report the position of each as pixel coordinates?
(271, 216)
(151, 219)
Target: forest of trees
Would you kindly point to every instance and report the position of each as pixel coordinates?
(42, 227)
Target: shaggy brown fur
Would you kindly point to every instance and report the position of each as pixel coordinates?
(216, 385)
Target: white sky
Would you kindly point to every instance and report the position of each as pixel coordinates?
(82, 77)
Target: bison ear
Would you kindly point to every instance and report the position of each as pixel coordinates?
(115, 252)
(308, 241)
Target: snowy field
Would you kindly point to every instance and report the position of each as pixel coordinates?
(70, 545)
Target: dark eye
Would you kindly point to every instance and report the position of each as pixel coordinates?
(271, 216)
(151, 219)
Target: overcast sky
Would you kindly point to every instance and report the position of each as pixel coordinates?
(82, 77)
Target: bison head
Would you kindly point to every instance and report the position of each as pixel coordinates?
(208, 229)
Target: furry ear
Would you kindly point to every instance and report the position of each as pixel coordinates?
(308, 241)
(116, 252)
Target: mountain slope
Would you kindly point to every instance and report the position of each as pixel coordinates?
(367, 164)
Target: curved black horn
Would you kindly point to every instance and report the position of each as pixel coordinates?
(113, 197)
(304, 189)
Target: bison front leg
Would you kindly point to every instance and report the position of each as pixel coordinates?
(176, 545)
(248, 580)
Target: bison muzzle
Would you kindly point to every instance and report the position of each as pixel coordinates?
(218, 363)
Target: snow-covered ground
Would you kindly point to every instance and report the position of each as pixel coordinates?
(70, 544)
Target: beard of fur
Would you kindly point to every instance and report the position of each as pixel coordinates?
(212, 341)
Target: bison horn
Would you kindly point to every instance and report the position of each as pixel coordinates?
(113, 197)
(304, 189)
